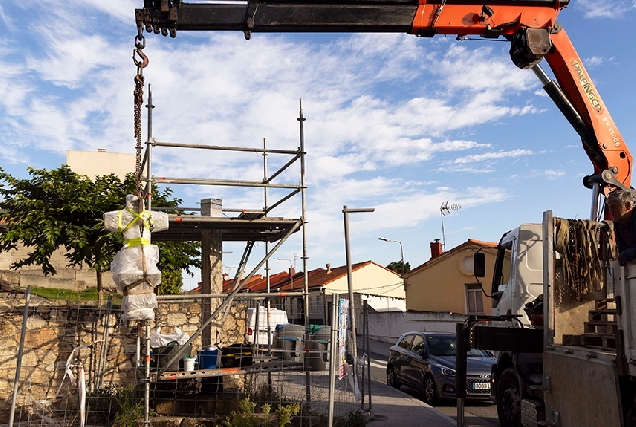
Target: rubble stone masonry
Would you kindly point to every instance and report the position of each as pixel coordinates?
(56, 329)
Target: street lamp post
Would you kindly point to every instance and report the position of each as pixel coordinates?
(401, 253)
(346, 211)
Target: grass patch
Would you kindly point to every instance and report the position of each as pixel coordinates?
(68, 295)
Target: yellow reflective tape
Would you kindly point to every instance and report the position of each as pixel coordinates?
(131, 243)
(136, 216)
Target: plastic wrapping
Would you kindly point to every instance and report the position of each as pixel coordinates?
(157, 339)
(134, 268)
(112, 220)
(139, 306)
(127, 266)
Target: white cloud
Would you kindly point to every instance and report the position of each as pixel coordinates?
(553, 174)
(473, 158)
(595, 61)
(606, 8)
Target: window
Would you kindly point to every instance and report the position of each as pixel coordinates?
(442, 345)
(405, 342)
(474, 302)
(418, 343)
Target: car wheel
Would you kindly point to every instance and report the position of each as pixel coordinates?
(391, 379)
(509, 399)
(430, 390)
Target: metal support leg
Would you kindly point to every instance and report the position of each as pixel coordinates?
(333, 355)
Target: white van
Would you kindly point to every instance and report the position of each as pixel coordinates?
(276, 317)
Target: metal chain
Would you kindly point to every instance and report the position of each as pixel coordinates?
(141, 61)
(438, 12)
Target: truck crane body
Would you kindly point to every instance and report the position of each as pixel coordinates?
(537, 368)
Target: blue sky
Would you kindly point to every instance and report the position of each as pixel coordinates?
(394, 122)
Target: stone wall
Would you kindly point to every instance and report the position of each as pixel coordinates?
(58, 330)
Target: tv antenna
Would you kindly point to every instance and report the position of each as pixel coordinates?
(445, 209)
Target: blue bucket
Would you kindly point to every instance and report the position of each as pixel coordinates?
(207, 358)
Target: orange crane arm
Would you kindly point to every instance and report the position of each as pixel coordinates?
(530, 26)
(582, 94)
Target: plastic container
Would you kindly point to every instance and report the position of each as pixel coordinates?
(313, 356)
(323, 336)
(237, 355)
(290, 341)
(188, 363)
(208, 359)
(160, 356)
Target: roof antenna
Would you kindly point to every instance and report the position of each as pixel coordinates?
(445, 209)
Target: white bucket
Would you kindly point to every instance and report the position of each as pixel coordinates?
(188, 363)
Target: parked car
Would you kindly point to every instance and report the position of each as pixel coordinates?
(426, 361)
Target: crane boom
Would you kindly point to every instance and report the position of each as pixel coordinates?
(530, 26)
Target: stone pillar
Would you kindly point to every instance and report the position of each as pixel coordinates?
(211, 269)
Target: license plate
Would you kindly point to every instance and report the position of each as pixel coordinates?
(481, 386)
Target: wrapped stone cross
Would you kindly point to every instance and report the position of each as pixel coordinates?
(134, 268)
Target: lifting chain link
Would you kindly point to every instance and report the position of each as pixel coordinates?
(141, 61)
(438, 12)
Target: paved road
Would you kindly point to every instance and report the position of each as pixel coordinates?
(476, 413)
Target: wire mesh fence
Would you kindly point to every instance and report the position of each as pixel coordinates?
(75, 349)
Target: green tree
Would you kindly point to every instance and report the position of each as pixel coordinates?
(61, 209)
(399, 268)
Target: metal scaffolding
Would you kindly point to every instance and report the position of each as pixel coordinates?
(248, 226)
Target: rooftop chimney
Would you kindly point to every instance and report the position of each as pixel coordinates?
(292, 272)
(436, 248)
(328, 268)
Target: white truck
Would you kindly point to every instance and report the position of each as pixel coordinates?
(518, 270)
(575, 365)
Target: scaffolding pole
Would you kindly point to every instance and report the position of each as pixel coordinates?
(16, 380)
(243, 296)
(266, 210)
(301, 120)
(222, 148)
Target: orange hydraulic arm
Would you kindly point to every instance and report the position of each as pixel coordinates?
(580, 91)
(530, 26)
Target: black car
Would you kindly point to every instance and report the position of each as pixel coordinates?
(426, 361)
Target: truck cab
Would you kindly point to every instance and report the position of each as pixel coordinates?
(518, 276)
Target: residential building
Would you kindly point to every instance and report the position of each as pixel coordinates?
(446, 282)
(100, 162)
(382, 288)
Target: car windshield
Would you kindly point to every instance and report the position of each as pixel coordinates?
(444, 345)
(441, 345)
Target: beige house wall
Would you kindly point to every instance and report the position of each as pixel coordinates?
(371, 279)
(75, 279)
(97, 163)
(441, 286)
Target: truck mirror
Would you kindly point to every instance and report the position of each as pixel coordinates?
(479, 264)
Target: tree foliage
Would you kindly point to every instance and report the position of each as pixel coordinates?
(61, 209)
(399, 268)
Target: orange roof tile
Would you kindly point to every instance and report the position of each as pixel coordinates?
(282, 282)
